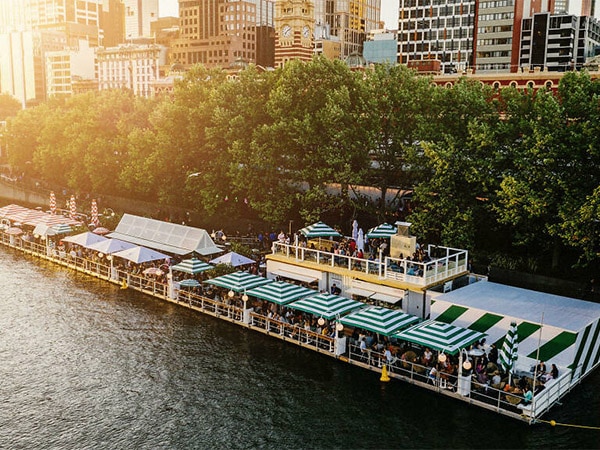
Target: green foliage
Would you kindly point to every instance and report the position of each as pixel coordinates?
(9, 106)
(514, 172)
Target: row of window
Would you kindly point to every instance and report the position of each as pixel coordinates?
(452, 22)
(497, 16)
(497, 41)
(496, 4)
(435, 12)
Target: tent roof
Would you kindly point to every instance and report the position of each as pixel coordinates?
(164, 236)
(140, 255)
(380, 320)
(327, 306)
(561, 312)
(233, 259)
(280, 292)
(33, 217)
(238, 281)
(85, 239)
(109, 246)
(440, 336)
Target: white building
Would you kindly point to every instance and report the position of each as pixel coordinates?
(134, 67)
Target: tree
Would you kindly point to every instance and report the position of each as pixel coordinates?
(9, 106)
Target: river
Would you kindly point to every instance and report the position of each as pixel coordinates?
(85, 365)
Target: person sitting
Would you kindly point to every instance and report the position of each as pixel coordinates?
(540, 369)
(552, 375)
(527, 396)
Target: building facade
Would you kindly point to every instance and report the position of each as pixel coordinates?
(64, 68)
(294, 25)
(381, 47)
(130, 66)
(139, 14)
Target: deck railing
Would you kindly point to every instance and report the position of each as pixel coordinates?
(446, 262)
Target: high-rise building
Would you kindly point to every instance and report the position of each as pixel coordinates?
(112, 23)
(64, 68)
(138, 16)
(440, 30)
(216, 32)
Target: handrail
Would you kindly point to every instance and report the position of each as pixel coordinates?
(453, 263)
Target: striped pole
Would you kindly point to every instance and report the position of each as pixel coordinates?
(95, 219)
(509, 352)
(72, 207)
(52, 202)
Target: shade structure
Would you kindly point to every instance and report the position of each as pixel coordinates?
(26, 216)
(101, 230)
(238, 281)
(62, 228)
(319, 229)
(44, 230)
(14, 231)
(508, 354)
(280, 292)
(192, 266)
(189, 283)
(72, 207)
(325, 305)
(94, 213)
(140, 255)
(233, 259)
(440, 336)
(110, 246)
(85, 239)
(380, 320)
(52, 202)
(383, 231)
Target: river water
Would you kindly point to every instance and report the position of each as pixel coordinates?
(87, 365)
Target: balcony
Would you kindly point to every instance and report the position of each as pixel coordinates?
(446, 264)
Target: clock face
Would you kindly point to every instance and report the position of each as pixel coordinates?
(286, 31)
(306, 31)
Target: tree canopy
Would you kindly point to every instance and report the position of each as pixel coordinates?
(512, 171)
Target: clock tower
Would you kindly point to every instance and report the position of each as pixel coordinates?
(294, 30)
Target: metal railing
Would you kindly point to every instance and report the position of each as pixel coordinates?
(453, 262)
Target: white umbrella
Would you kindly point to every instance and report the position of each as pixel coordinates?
(233, 259)
(140, 255)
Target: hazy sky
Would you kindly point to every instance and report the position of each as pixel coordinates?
(389, 11)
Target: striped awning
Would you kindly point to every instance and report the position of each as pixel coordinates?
(385, 230)
(280, 292)
(380, 320)
(327, 306)
(238, 281)
(440, 336)
(319, 229)
(192, 266)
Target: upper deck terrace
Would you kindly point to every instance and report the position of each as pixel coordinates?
(446, 264)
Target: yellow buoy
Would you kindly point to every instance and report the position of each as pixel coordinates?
(553, 423)
(124, 285)
(384, 375)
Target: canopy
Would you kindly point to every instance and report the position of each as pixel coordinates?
(325, 305)
(319, 229)
(189, 283)
(33, 217)
(192, 266)
(238, 281)
(14, 231)
(380, 320)
(440, 336)
(233, 259)
(109, 246)
(280, 292)
(85, 239)
(44, 230)
(385, 230)
(140, 255)
(164, 236)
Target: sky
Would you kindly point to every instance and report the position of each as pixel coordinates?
(389, 11)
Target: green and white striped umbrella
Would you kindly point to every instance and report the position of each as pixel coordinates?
(192, 266)
(62, 228)
(325, 305)
(508, 354)
(380, 320)
(280, 292)
(385, 230)
(440, 336)
(238, 281)
(319, 229)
